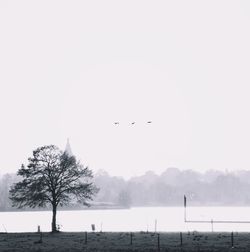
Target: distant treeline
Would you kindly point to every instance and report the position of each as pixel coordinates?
(166, 189)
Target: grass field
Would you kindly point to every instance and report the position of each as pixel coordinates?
(139, 241)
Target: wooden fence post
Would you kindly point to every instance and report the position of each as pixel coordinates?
(155, 225)
(158, 242)
(86, 237)
(232, 239)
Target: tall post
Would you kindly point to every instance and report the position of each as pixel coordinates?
(185, 206)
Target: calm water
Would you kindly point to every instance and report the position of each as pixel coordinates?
(134, 219)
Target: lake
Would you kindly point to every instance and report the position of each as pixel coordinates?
(134, 219)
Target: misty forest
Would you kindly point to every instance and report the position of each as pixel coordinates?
(167, 189)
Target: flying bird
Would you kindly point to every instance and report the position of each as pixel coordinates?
(149, 122)
(133, 123)
(116, 123)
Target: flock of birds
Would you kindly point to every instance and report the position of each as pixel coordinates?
(132, 123)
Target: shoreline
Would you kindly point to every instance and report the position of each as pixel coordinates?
(122, 208)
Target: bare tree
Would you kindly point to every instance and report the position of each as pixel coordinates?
(52, 177)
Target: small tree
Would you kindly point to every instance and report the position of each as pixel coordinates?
(52, 177)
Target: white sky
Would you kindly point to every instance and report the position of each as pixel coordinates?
(72, 68)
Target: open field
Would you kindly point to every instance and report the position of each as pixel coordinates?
(107, 241)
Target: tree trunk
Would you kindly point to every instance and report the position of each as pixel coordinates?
(54, 219)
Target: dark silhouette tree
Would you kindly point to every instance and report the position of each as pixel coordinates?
(54, 178)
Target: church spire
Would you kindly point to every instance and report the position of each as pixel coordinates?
(68, 148)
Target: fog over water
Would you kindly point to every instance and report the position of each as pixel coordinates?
(135, 219)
